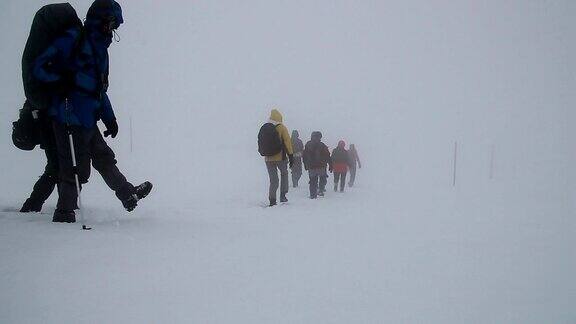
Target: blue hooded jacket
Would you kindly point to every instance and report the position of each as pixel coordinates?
(81, 57)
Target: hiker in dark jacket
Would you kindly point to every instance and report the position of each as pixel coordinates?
(354, 162)
(76, 66)
(340, 164)
(298, 148)
(316, 157)
(45, 185)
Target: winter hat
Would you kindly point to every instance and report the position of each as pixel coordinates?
(275, 116)
(105, 10)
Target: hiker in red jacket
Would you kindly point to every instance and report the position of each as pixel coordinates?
(341, 162)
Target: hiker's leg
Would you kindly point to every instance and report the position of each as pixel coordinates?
(67, 192)
(283, 167)
(352, 175)
(313, 184)
(104, 161)
(273, 175)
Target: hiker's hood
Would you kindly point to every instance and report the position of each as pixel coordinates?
(276, 116)
(104, 11)
(316, 136)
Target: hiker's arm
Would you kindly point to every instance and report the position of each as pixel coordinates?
(287, 140)
(305, 159)
(107, 111)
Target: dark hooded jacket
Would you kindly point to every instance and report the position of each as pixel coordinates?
(80, 58)
(297, 145)
(316, 154)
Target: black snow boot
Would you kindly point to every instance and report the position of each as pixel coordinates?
(31, 206)
(140, 192)
(283, 198)
(272, 202)
(64, 216)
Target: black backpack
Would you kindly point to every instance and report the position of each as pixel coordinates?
(26, 131)
(269, 142)
(50, 22)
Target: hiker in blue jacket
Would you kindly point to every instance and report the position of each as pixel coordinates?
(76, 69)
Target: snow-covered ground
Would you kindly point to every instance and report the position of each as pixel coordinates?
(403, 81)
(357, 257)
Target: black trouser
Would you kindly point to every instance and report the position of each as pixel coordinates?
(44, 187)
(339, 177)
(273, 168)
(89, 146)
(296, 171)
(352, 175)
(318, 180)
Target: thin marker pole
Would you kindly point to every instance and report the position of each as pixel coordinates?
(131, 136)
(455, 161)
(492, 162)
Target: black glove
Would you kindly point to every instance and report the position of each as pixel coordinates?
(291, 160)
(111, 128)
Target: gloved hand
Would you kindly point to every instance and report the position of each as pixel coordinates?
(291, 160)
(111, 128)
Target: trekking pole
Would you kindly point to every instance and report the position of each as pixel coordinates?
(75, 169)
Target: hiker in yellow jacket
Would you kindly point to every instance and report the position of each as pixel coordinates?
(279, 161)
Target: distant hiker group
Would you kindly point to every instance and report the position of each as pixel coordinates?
(65, 69)
(280, 152)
